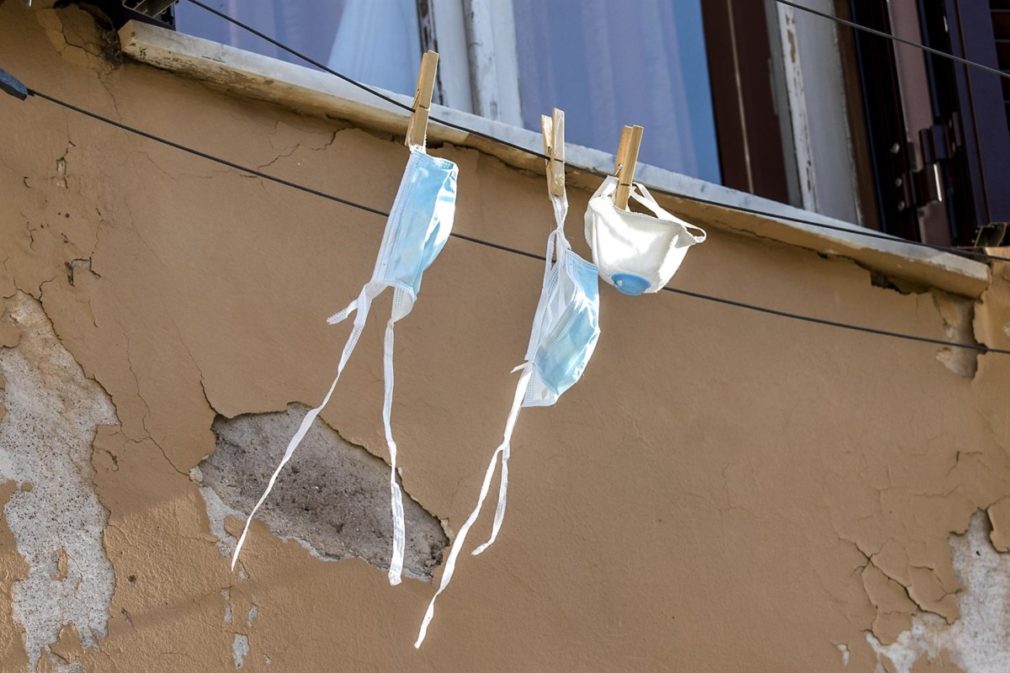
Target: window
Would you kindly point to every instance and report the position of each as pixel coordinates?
(938, 130)
(752, 94)
(613, 63)
(373, 41)
(632, 62)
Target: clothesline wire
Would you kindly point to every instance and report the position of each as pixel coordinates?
(586, 169)
(498, 246)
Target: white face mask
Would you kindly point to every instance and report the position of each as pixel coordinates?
(636, 253)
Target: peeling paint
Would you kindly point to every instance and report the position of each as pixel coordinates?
(999, 519)
(958, 314)
(12, 569)
(977, 642)
(51, 415)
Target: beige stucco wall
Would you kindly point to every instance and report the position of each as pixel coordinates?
(723, 491)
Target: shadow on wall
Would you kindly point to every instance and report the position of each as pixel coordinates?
(332, 498)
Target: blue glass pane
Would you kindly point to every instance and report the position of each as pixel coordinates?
(373, 41)
(607, 64)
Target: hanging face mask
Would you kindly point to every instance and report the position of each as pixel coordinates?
(566, 326)
(636, 253)
(416, 231)
(565, 331)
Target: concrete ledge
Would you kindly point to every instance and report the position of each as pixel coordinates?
(314, 92)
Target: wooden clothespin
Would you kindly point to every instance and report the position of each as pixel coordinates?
(626, 160)
(553, 128)
(417, 129)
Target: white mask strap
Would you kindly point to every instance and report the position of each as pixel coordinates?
(607, 187)
(644, 197)
(457, 544)
(400, 309)
(361, 305)
(557, 243)
(510, 426)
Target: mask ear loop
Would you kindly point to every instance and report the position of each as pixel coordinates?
(643, 196)
(403, 302)
(457, 544)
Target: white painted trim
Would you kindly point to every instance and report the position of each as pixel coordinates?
(453, 62)
(494, 68)
(503, 23)
(817, 104)
(315, 92)
(796, 92)
(780, 97)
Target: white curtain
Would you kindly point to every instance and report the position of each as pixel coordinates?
(374, 41)
(378, 42)
(608, 64)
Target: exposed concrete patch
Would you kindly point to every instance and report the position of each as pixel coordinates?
(240, 649)
(333, 497)
(958, 314)
(977, 642)
(228, 612)
(52, 412)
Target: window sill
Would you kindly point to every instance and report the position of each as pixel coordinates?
(319, 93)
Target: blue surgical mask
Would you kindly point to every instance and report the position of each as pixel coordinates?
(566, 328)
(419, 223)
(416, 231)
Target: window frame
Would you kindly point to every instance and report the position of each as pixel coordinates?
(309, 91)
(777, 156)
(761, 85)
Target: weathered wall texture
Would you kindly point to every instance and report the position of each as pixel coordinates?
(723, 491)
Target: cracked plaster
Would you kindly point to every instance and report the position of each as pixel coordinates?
(790, 482)
(979, 641)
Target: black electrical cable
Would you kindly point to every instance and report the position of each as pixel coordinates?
(585, 169)
(895, 38)
(498, 246)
